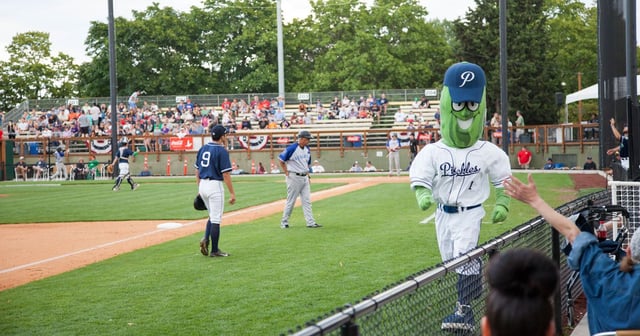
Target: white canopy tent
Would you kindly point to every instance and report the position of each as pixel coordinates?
(588, 93)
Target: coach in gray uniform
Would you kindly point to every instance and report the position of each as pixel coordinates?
(295, 161)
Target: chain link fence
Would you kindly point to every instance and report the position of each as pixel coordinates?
(418, 304)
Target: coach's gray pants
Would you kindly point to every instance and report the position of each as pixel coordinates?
(298, 185)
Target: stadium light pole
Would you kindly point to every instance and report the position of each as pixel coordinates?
(280, 50)
(504, 103)
(113, 81)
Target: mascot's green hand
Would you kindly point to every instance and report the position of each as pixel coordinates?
(424, 197)
(502, 206)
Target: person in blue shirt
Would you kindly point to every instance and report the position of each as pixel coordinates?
(295, 161)
(549, 165)
(213, 171)
(612, 290)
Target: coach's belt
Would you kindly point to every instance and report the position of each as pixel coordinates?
(299, 174)
(456, 209)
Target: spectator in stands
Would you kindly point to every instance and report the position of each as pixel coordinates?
(246, 124)
(355, 168)
(285, 123)
(549, 164)
(39, 168)
(261, 169)
(84, 122)
(306, 119)
(335, 105)
(302, 107)
(11, 130)
(519, 123)
(263, 123)
(496, 128)
(399, 115)
(80, 170)
(589, 164)
(424, 102)
(383, 102)
(369, 167)
(319, 107)
(22, 169)
(524, 158)
(611, 289)
(226, 105)
(416, 103)
(279, 116)
(316, 167)
(521, 283)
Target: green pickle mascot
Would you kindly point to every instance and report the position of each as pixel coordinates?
(453, 174)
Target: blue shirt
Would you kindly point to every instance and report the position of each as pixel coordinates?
(613, 296)
(213, 161)
(123, 154)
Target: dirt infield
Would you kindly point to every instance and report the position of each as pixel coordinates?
(31, 252)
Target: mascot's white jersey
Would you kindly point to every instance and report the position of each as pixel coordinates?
(458, 176)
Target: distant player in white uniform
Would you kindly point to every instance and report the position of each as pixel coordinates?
(393, 148)
(455, 173)
(295, 161)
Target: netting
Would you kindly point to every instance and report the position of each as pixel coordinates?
(627, 195)
(420, 304)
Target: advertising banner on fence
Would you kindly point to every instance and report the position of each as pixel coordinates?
(179, 144)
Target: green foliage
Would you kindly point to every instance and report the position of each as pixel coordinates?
(32, 72)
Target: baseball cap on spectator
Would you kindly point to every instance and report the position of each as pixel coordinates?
(466, 82)
(218, 131)
(588, 158)
(22, 158)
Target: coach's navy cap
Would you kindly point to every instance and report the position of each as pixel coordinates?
(466, 82)
(218, 131)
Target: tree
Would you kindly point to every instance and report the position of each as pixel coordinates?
(32, 73)
(346, 46)
(531, 78)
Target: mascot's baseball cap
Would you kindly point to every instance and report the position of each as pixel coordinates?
(466, 82)
(218, 131)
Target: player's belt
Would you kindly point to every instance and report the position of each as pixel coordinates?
(456, 209)
(299, 174)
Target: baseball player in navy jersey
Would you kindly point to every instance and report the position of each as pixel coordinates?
(213, 168)
(122, 158)
(295, 161)
(455, 173)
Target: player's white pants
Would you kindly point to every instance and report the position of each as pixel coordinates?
(123, 169)
(394, 161)
(212, 193)
(61, 170)
(458, 233)
(298, 185)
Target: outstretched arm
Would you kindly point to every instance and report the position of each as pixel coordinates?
(615, 131)
(527, 193)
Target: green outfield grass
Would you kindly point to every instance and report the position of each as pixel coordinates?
(275, 279)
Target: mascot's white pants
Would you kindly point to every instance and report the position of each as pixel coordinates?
(458, 233)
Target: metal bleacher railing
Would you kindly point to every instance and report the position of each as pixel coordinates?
(416, 305)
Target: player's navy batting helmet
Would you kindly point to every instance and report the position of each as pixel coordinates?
(304, 134)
